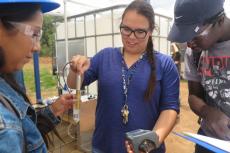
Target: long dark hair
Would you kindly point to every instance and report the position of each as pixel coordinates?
(144, 8)
(18, 13)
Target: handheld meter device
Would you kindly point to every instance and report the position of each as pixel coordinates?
(143, 140)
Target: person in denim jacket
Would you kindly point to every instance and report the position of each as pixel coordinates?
(22, 129)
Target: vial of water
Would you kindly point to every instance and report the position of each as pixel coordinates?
(76, 107)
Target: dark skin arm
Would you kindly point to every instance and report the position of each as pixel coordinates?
(195, 99)
(216, 120)
(197, 103)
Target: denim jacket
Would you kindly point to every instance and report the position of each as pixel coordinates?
(19, 130)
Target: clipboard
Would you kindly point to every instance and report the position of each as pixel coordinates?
(213, 144)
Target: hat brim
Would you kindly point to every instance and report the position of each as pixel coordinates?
(183, 33)
(46, 5)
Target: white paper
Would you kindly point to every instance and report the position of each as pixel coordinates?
(224, 145)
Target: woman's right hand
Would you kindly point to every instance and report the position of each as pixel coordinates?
(79, 64)
(129, 147)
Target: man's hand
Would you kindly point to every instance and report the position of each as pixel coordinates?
(217, 122)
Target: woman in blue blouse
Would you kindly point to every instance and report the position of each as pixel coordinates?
(21, 128)
(134, 79)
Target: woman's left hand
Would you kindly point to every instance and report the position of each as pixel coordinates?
(62, 104)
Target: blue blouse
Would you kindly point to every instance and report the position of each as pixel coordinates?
(106, 68)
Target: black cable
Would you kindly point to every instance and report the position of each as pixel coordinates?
(63, 76)
(59, 82)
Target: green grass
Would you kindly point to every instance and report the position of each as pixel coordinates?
(47, 80)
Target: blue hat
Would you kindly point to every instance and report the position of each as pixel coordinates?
(190, 16)
(46, 5)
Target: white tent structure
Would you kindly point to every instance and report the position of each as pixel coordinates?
(98, 27)
(73, 7)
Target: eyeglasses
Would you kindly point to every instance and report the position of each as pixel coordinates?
(206, 30)
(139, 33)
(199, 42)
(28, 30)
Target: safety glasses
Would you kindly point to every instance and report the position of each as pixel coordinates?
(28, 30)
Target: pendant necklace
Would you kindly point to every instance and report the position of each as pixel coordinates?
(126, 78)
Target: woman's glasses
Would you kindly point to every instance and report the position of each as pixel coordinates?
(139, 33)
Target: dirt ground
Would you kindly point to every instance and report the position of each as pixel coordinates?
(187, 120)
